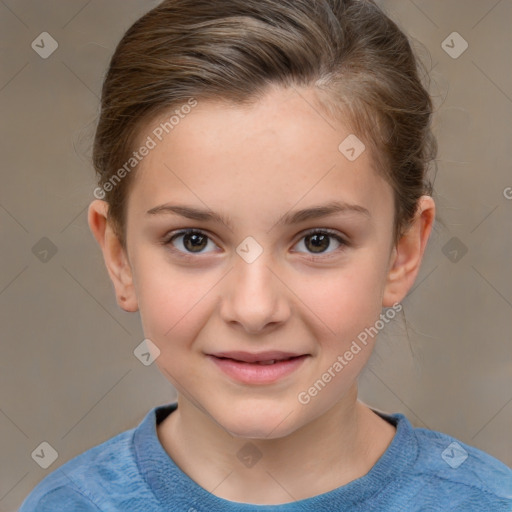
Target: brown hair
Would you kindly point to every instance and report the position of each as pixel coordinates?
(359, 61)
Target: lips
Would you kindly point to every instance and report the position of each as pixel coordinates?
(269, 357)
(258, 368)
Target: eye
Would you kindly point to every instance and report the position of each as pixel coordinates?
(319, 240)
(193, 241)
(189, 241)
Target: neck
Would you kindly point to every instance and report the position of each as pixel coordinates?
(339, 446)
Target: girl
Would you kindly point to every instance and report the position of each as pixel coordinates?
(262, 197)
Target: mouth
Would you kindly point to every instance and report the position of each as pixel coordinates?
(257, 368)
(268, 357)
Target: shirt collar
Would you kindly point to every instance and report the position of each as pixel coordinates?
(177, 491)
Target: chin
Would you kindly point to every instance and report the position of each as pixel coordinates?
(262, 430)
(256, 419)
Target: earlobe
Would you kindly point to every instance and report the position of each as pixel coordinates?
(114, 254)
(407, 255)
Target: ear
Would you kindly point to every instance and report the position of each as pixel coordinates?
(114, 255)
(405, 260)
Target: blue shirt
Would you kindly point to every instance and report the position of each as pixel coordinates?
(420, 471)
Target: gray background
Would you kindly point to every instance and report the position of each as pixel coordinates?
(68, 375)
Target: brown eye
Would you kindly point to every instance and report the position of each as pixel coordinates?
(189, 241)
(194, 242)
(318, 242)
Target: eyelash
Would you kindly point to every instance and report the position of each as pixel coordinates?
(169, 238)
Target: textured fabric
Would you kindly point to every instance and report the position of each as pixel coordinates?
(421, 471)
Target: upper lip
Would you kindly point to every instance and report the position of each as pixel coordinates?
(249, 357)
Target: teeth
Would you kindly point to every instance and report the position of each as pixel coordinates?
(269, 361)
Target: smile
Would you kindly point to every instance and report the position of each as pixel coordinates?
(257, 368)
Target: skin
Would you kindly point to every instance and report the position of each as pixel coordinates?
(253, 165)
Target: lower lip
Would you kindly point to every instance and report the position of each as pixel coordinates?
(251, 373)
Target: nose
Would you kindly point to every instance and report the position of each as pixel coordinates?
(254, 298)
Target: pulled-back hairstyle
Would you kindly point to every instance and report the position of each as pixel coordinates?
(357, 59)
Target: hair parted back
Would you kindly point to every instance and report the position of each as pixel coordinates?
(357, 59)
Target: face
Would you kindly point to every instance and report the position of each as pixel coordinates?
(264, 283)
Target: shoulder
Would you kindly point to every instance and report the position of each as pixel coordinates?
(462, 475)
(57, 498)
(84, 483)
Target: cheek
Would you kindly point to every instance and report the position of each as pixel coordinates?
(345, 300)
(170, 300)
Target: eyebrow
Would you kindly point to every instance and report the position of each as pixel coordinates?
(294, 217)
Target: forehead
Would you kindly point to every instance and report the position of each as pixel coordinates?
(281, 151)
